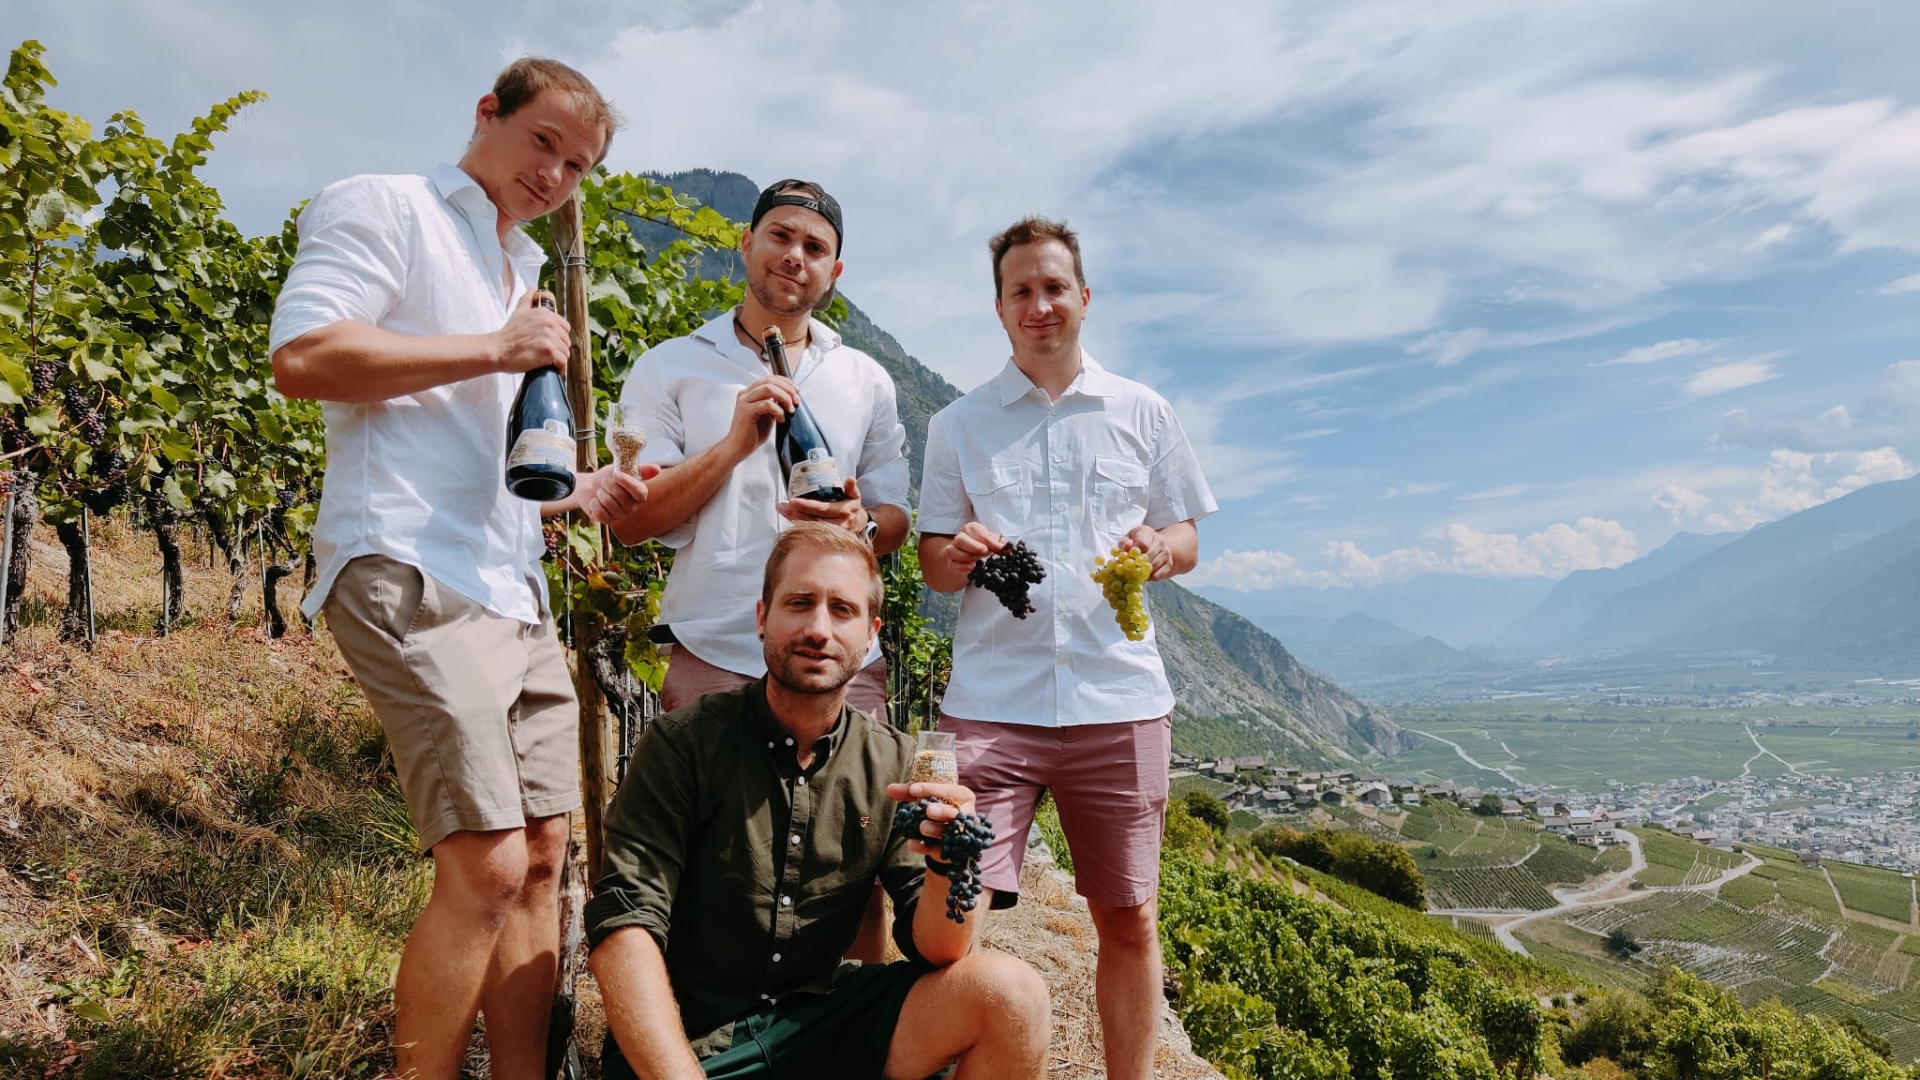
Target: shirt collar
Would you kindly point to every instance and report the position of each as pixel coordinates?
(777, 736)
(1092, 381)
(718, 332)
(465, 195)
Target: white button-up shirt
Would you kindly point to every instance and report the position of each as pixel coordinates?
(419, 478)
(684, 392)
(1071, 478)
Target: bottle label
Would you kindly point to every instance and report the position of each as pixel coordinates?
(549, 444)
(817, 472)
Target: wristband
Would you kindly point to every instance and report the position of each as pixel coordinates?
(937, 868)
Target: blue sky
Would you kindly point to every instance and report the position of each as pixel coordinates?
(1500, 289)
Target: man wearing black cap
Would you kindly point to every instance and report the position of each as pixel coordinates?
(710, 401)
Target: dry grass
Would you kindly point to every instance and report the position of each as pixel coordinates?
(1051, 930)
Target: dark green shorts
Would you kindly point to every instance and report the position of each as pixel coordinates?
(842, 1035)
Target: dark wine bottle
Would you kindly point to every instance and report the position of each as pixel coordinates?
(805, 456)
(540, 435)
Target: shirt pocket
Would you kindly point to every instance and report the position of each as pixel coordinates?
(1001, 497)
(1119, 494)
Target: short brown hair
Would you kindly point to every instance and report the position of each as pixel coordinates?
(1034, 229)
(530, 76)
(825, 539)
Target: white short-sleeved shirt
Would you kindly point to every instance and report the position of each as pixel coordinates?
(684, 391)
(1071, 478)
(419, 478)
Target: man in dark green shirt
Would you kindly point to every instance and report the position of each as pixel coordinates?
(740, 854)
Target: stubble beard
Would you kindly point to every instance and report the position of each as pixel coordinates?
(780, 305)
(786, 669)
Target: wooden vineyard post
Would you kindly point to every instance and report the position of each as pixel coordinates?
(570, 257)
(569, 243)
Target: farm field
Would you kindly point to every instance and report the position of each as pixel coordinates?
(1774, 932)
(1648, 745)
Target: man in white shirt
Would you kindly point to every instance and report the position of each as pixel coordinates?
(710, 401)
(409, 312)
(1073, 460)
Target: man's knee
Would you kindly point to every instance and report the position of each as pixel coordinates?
(1131, 928)
(482, 872)
(1007, 990)
(546, 852)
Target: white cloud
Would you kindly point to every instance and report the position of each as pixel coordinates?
(1234, 470)
(1890, 416)
(1726, 378)
(1795, 481)
(1250, 571)
(1772, 237)
(1403, 491)
(1901, 286)
(1316, 433)
(1504, 491)
(1555, 551)
(1681, 502)
(1665, 350)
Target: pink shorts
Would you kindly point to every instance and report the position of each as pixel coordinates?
(690, 678)
(1109, 782)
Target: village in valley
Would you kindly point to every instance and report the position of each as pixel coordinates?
(1818, 814)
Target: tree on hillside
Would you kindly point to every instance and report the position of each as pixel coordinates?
(1208, 807)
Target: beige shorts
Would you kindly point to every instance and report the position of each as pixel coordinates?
(478, 708)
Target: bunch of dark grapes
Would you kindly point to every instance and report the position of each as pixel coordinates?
(1008, 574)
(104, 499)
(11, 437)
(6, 485)
(966, 839)
(45, 374)
(553, 533)
(93, 430)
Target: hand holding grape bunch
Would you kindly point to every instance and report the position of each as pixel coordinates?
(1008, 574)
(1124, 579)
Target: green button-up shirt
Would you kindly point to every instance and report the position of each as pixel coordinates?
(751, 873)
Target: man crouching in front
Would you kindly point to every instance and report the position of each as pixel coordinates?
(739, 859)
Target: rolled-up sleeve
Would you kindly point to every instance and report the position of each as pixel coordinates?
(351, 264)
(649, 392)
(903, 874)
(648, 832)
(944, 506)
(882, 469)
(1176, 488)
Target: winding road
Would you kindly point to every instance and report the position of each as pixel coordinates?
(1468, 758)
(1617, 889)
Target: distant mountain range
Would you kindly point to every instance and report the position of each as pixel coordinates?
(1239, 690)
(1834, 588)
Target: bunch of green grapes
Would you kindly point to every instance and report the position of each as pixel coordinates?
(1124, 579)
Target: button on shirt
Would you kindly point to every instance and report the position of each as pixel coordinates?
(752, 874)
(1071, 478)
(419, 478)
(684, 391)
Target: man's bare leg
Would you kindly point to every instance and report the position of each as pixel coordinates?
(870, 947)
(1128, 986)
(990, 1010)
(477, 876)
(518, 996)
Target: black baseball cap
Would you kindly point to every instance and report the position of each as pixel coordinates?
(795, 193)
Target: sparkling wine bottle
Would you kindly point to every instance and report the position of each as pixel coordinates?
(540, 435)
(805, 456)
